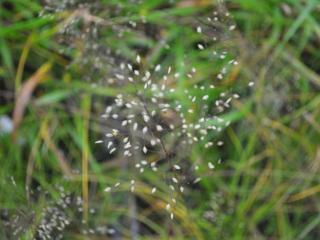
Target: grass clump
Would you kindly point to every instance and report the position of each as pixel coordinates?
(122, 119)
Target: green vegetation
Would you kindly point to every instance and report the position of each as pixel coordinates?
(268, 184)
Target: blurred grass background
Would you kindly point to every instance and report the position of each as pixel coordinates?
(268, 186)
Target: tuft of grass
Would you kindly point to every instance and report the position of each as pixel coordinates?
(267, 185)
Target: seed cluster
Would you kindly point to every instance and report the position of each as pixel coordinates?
(54, 218)
(159, 112)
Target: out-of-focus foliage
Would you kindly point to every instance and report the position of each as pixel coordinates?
(267, 185)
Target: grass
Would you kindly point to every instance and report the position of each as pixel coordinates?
(267, 186)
